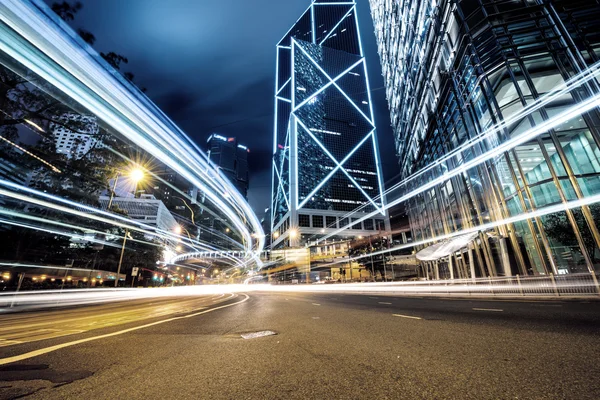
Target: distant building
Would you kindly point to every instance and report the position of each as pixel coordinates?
(174, 190)
(74, 134)
(146, 209)
(232, 159)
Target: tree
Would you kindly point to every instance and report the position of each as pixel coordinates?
(67, 12)
(559, 229)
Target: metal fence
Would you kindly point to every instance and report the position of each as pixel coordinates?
(585, 284)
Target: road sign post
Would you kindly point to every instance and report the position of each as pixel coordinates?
(134, 274)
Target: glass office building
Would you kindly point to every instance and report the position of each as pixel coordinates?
(231, 157)
(325, 158)
(501, 98)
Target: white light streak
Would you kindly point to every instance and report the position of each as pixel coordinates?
(48, 47)
(515, 141)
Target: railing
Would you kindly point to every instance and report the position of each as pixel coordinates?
(572, 285)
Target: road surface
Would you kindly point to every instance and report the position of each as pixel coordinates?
(326, 346)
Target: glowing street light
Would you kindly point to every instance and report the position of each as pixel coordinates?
(136, 175)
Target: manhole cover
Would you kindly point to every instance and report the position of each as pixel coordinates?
(254, 335)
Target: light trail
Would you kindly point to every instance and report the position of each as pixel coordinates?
(97, 215)
(48, 47)
(574, 284)
(30, 154)
(21, 265)
(510, 220)
(576, 110)
(567, 87)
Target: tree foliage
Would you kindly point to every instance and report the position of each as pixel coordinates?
(67, 11)
(559, 229)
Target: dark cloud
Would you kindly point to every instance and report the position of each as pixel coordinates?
(210, 66)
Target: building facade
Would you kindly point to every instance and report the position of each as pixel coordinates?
(231, 158)
(497, 81)
(325, 156)
(146, 209)
(74, 134)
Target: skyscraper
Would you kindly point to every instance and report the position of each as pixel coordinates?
(232, 159)
(496, 81)
(325, 157)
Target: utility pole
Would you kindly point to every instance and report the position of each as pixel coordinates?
(371, 253)
(21, 277)
(121, 258)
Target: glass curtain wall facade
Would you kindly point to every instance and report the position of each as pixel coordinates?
(325, 158)
(467, 79)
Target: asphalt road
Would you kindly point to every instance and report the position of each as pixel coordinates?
(327, 346)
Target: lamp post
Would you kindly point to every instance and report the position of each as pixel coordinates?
(112, 192)
(136, 174)
(121, 258)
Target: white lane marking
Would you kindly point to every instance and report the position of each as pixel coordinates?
(219, 298)
(50, 349)
(488, 309)
(406, 316)
(315, 304)
(384, 302)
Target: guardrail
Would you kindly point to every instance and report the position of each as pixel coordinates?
(572, 285)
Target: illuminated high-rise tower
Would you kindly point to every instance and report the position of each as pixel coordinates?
(325, 157)
(485, 80)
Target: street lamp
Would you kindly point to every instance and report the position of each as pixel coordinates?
(121, 258)
(178, 230)
(136, 174)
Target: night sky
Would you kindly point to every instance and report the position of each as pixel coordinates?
(210, 65)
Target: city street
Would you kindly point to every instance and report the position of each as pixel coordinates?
(325, 346)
